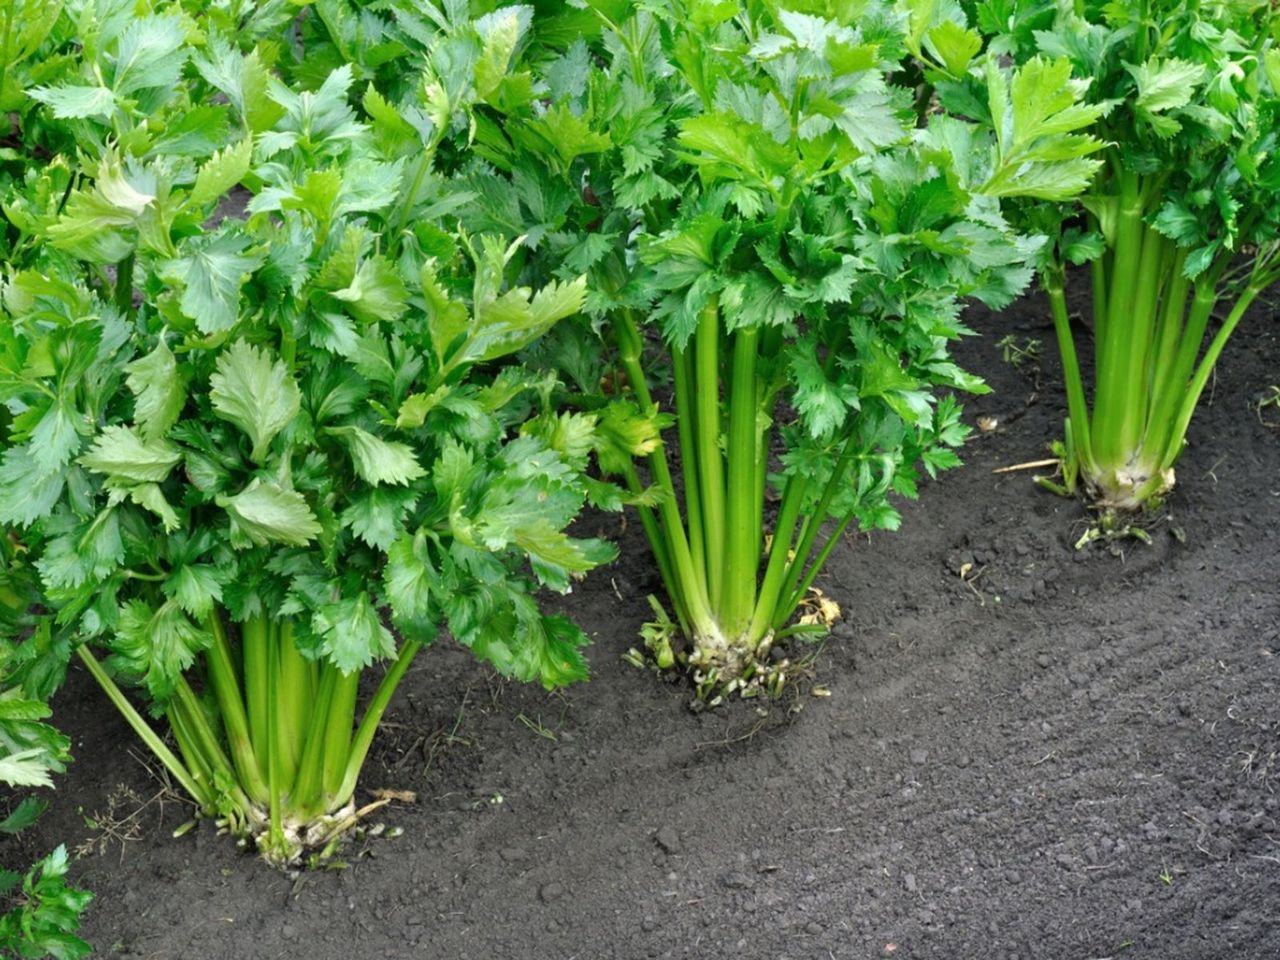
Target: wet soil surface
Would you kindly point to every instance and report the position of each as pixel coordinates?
(1059, 754)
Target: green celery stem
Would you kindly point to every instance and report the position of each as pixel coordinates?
(308, 788)
(1158, 440)
(185, 703)
(372, 717)
(763, 401)
(738, 588)
(686, 425)
(776, 571)
(189, 749)
(1098, 272)
(685, 583)
(226, 688)
(1172, 310)
(143, 729)
(204, 739)
(1201, 379)
(293, 704)
(1141, 323)
(710, 465)
(420, 172)
(253, 643)
(659, 546)
(1112, 361)
(812, 525)
(337, 736)
(275, 773)
(1077, 406)
(786, 610)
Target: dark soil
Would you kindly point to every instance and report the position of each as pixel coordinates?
(1064, 755)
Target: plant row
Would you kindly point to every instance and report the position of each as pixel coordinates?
(322, 324)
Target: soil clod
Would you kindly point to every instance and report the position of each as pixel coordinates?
(668, 839)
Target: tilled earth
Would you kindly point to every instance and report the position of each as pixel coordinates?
(1057, 754)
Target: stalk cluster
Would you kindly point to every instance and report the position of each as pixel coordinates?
(1180, 228)
(778, 246)
(264, 407)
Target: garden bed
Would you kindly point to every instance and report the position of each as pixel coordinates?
(1059, 754)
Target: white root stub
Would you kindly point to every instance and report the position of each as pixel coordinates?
(1132, 488)
(300, 838)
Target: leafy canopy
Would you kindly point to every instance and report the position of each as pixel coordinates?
(762, 160)
(1185, 95)
(257, 362)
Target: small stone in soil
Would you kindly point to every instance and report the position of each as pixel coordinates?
(512, 854)
(668, 839)
(735, 881)
(909, 882)
(550, 892)
(813, 928)
(919, 756)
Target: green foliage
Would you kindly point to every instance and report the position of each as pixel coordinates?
(306, 378)
(752, 182)
(1183, 216)
(39, 912)
(262, 374)
(1033, 116)
(30, 751)
(46, 913)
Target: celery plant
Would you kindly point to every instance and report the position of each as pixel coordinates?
(748, 182)
(39, 910)
(242, 440)
(1180, 229)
